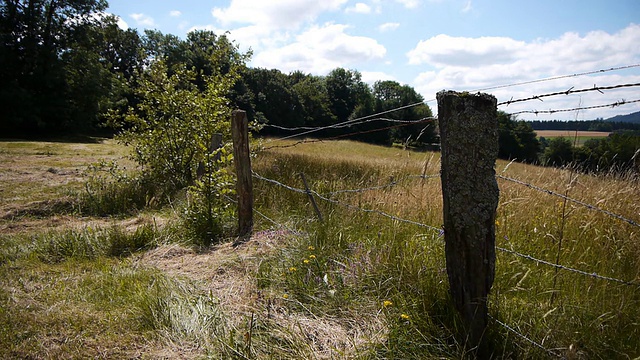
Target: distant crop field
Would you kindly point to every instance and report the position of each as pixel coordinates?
(571, 134)
(580, 137)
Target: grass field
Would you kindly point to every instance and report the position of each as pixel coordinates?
(580, 137)
(356, 286)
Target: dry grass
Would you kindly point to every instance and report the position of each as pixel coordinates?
(229, 302)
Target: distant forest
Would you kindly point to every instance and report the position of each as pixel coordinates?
(65, 70)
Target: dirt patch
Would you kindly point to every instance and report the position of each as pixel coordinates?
(229, 274)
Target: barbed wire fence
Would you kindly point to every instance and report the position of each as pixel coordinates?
(330, 197)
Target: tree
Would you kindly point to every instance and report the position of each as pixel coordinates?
(559, 152)
(33, 84)
(171, 127)
(276, 101)
(516, 139)
(346, 91)
(402, 102)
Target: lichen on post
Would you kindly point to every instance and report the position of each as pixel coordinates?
(469, 140)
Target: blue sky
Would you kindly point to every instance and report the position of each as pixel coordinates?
(430, 45)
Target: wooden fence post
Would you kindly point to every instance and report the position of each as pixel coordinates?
(244, 185)
(469, 138)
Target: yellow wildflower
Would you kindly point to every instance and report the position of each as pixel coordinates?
(285, 296)
(404, 317)
(305, 261)
(293, 269)
(311, 248)
(387, 303)
(312, 256)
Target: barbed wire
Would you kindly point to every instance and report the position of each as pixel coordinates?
(612, 105)
(558, 77)
(393, 217)
(521, 335)
(356, 191)
(422, 121)
(567, 92)
(581, 203)
(391, 184)
(351, 121)
(566, 268)
(346, 125)
(291, 230)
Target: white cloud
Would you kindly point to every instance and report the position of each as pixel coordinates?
(409, 4)
(370, 77)
(143, 20)
(388, 27)
(321, 49)
(122, 24)
(460, 63)
(360, 8)
(119, 21)
(274, 14)
(467, 7)
(175, 13)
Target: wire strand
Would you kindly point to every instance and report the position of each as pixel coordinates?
(562, 267)
(581, 203)
(567, 92)
(558, 77)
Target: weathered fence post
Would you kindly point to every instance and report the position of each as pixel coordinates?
(244, 185)
(469, 138)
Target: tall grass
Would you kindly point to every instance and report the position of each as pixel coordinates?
(386, 260)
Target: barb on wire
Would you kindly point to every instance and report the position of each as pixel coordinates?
(615, 104)
(581, 203)
(350, 121)
(567, 92)
(535, 343)
(562, 267)
(557, 78)
(353, 207)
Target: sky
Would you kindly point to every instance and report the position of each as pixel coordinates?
(432, 45)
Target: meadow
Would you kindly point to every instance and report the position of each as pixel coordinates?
(367, 282)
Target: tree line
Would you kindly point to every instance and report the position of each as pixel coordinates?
(65, 67)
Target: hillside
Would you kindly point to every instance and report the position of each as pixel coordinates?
(629, 118)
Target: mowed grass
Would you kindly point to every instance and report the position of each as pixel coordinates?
(359, 284)
(577, 137)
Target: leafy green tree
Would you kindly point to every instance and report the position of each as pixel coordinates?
(559, 152)
(390, 95)
(314, 98)
(276, 101)
(35, 34)
(346, 91)
(171, 126)
(516, 139)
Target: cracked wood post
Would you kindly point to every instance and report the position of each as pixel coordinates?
(469, 139)
(244, 184)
